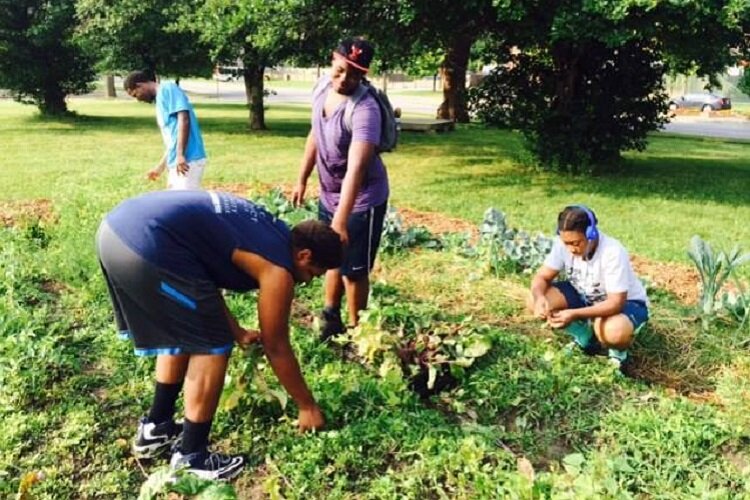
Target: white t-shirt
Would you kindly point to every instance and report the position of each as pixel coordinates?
(608, 271)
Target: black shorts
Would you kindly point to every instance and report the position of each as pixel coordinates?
(365, 229)
(162, 313)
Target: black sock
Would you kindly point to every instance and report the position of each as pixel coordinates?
(195, 436)
(165, 396)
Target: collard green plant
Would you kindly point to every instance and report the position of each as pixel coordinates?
(397, 237)
(509, 249)
(276, 202)
(714, 269)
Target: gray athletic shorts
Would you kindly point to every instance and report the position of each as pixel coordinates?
(162, 313)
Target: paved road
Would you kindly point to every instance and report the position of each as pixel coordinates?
(722, 127)
(726, 128)
(235, 92)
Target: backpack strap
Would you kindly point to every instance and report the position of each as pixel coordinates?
(353, 100)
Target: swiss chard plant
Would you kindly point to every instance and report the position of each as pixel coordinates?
(416, 341)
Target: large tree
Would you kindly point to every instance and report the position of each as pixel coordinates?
(452, 28)
(583, 80)
(258, 33)
(40, 60)
(136, 34)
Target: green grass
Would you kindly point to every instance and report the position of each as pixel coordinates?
(700, 183)
(70, 392)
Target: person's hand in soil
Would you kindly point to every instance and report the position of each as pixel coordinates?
(311, 419)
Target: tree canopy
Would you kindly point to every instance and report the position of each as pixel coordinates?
(41, 62)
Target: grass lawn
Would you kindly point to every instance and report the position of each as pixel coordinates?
(528, 419)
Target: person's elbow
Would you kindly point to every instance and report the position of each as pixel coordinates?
(617, 302)
(276, 349)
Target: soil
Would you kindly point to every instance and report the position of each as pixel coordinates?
(437, 223)
(246, 189)
(678, 279)
(20, 212)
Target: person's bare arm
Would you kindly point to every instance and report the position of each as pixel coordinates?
(306, 167)
(539, 286)
(183, 132)
(155, 172)
(274, 305)
(243, 336)
(358, 161)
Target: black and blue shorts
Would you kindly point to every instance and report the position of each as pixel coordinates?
(365, 229)
(162, 313)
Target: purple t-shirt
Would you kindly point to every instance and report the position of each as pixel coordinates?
(332, 139)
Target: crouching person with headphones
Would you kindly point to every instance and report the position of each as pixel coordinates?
(587, 287)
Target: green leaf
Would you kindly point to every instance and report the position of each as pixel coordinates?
(479, 347)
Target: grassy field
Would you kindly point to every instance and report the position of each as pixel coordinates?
(527, 420)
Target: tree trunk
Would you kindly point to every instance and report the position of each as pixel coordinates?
(111, 86)
(253, 76)
(52, 102)
(453, 73)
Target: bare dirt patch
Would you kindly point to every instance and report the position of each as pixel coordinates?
(21, 212)
(246, 190)
(437, 223)
(678, 279)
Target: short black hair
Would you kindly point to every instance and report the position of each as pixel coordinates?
(135, 77)
(324, 243)
(575, 218)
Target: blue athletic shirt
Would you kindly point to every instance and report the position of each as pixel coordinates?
(193, 234)
(170, 99)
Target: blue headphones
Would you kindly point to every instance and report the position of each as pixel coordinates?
(591, 232)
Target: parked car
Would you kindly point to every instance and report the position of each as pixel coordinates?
(227, 73)
(704, 101)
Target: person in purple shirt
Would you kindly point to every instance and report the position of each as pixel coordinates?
(353, 180)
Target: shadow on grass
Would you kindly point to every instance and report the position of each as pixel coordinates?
(234, 124)
(701, 174)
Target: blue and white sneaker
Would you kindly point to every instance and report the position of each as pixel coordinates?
(152, 439)
(620, 360)
(205, 465)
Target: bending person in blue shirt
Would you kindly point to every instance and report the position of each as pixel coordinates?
(166, 256)
(184, 154)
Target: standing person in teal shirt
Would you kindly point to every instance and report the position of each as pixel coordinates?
(184, 155)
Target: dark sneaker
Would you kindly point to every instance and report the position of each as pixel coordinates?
(152, 439)
(205, 465)
(330, 323)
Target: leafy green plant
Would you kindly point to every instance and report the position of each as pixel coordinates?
(714, 269)
(429, 350)
(276, 202)
(509, 249)
(397, 237)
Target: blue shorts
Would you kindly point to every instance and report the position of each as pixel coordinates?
(365, 229)
(635, 310)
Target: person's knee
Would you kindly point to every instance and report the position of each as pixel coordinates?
(616, 332)
(357, 278)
